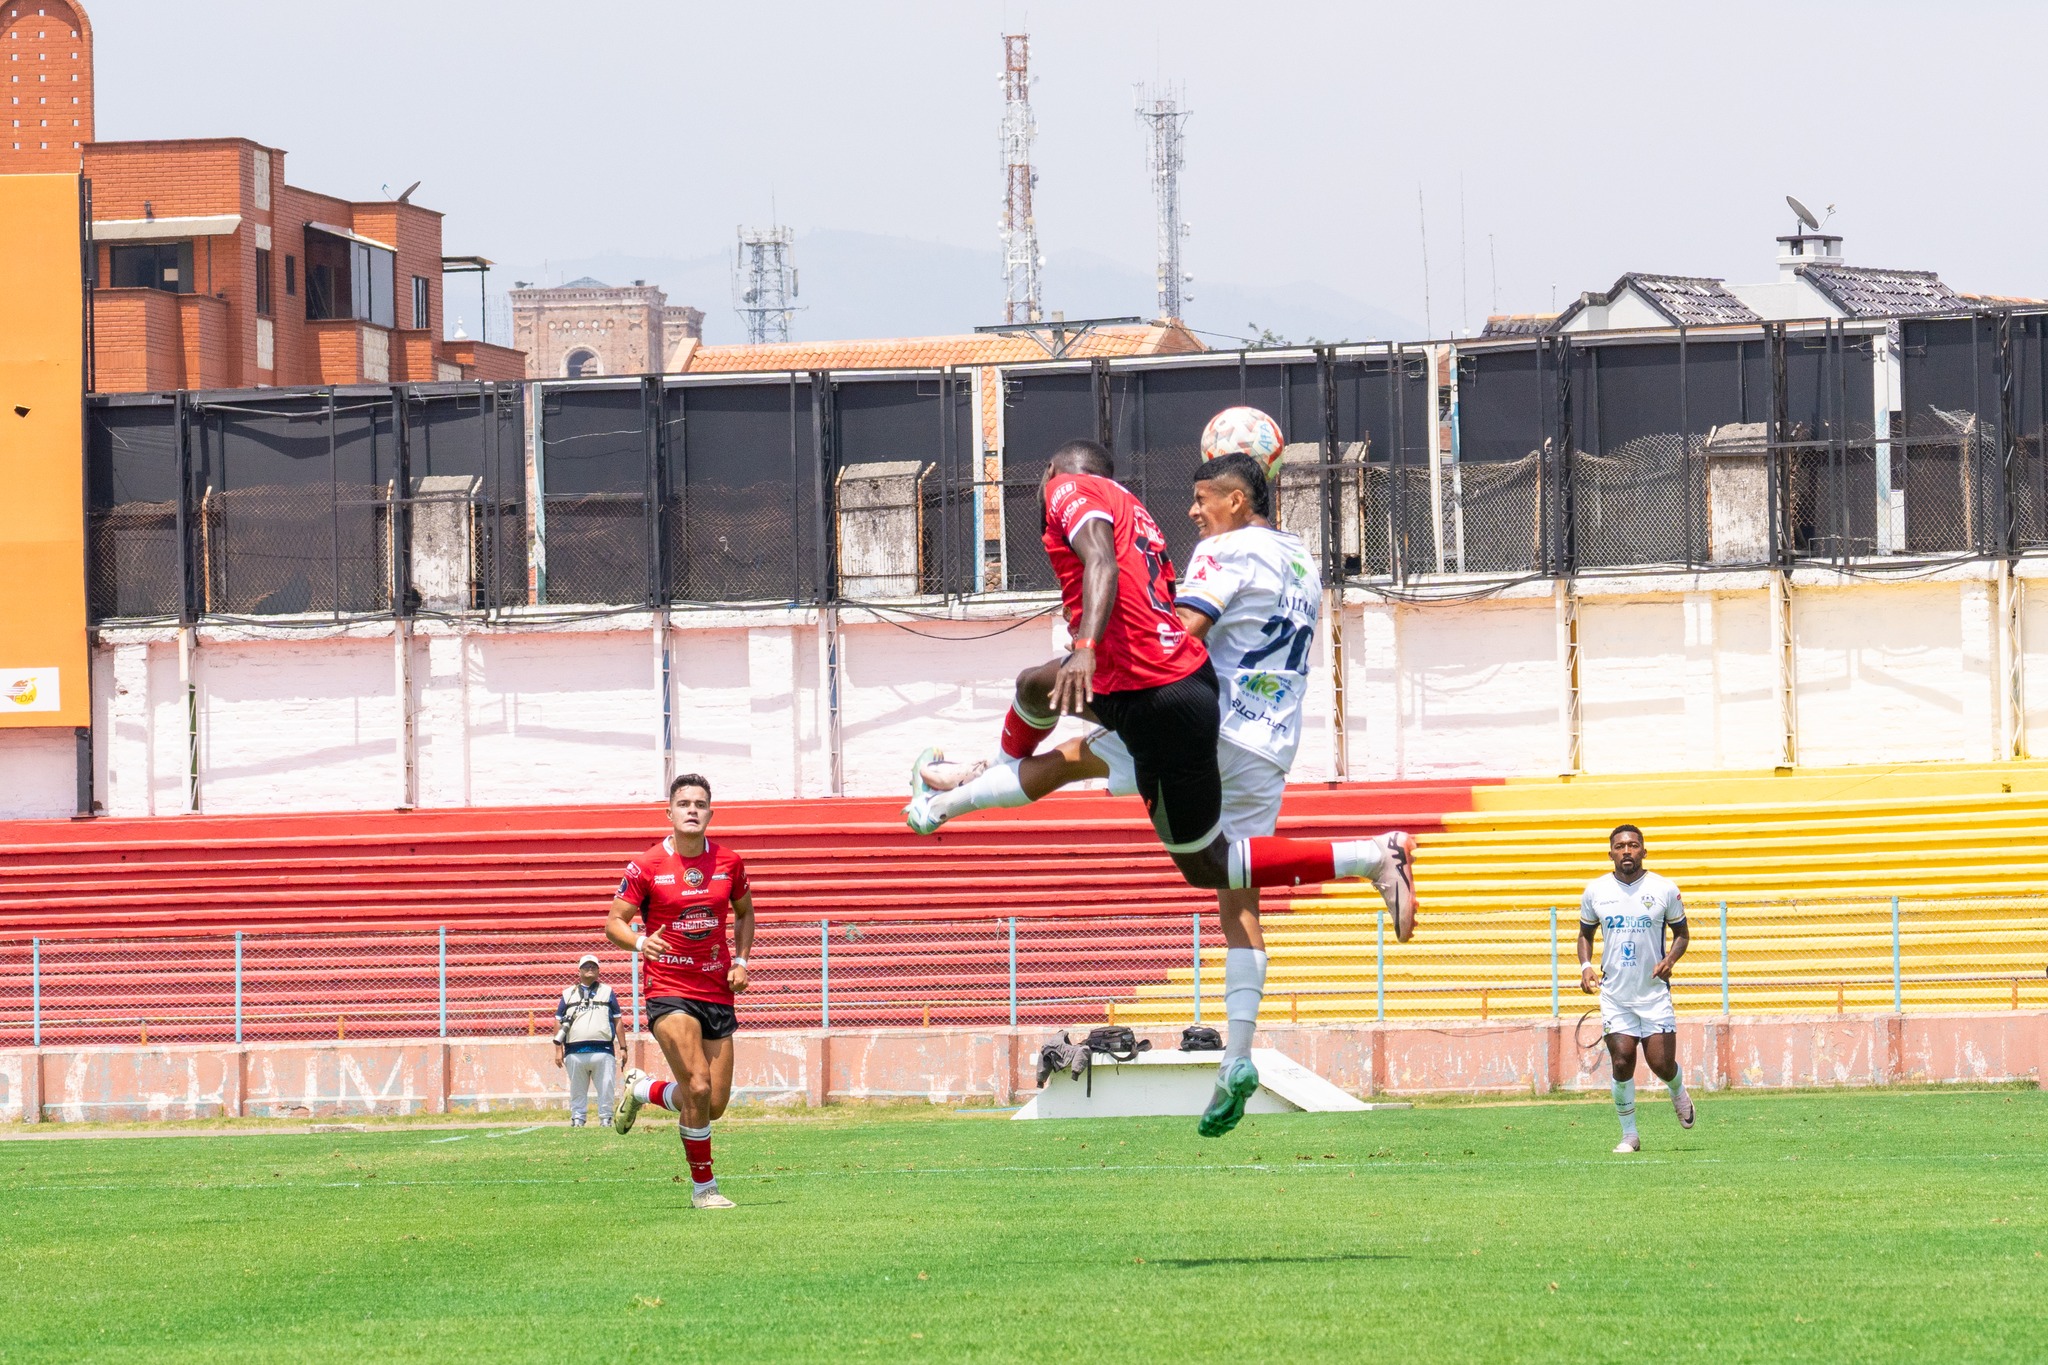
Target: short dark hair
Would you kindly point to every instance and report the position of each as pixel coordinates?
(1242, 470)
(1619, 830)
(1080, 456)
(690, 780)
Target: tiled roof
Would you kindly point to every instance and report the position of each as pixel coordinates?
(1862, 292)
(910, 353)
(1518, 324)
(1690, 300)
(898, 353)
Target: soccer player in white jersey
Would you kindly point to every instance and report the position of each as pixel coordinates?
(1631, 908)
(1251, 596)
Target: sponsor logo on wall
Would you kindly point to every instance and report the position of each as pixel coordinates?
(28, 689)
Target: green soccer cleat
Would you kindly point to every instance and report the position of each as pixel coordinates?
(1240, 1078)
(629, 1103)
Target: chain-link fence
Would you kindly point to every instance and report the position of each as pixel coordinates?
(1337, 965)
(1497, 458)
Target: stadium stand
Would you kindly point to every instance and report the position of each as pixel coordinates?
(1806, 862)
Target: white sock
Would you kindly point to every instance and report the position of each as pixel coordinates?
(1625, 1106)
(1244, 986)
(997, 786)
(705, 1186)
(1676, 1085)
(1358, 857)
(643, 1089)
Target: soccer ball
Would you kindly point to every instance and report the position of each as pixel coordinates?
(1244, 431)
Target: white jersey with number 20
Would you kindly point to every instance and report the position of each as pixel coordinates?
(1259, 587)
(1632, 917)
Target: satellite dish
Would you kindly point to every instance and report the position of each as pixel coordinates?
(1805, 214)
(406, 198)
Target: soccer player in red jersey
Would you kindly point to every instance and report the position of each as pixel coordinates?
(683, 891)
(1135, 669)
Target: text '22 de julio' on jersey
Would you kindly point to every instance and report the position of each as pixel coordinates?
(1143, 643)
(1259, 587)
(688, 901)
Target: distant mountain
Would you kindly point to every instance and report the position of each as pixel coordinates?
(855, 284)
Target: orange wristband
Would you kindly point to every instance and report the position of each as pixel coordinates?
(1083, 643)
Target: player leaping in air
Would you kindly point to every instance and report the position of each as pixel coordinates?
(1631, 907)
(1156, 690)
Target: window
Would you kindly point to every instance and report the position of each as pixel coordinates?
(346, 278)
(152, 265)
(263, 307)
(582, 364)
(422, 311)
(291, 276)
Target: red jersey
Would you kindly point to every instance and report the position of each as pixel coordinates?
(688, 902)
(1143, 643)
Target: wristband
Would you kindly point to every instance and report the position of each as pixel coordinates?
(739, 962)
(640, 944)
(1083, 642)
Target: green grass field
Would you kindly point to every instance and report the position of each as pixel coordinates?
(1825, 1227)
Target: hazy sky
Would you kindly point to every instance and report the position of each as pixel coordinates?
(1588, 139)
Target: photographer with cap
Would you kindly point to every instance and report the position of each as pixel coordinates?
(588, 1042)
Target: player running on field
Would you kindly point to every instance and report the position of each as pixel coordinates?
(1631, 906)
(684, 890)
(1250, 597)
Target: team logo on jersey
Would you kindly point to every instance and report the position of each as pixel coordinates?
(1628, 952)
(694, 876)
(697, 925)
(1648, 900)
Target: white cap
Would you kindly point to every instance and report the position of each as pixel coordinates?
(587, 960)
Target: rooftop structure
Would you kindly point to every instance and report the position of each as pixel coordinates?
(587, 327)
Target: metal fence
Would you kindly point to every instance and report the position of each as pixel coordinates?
(1880, 441)
(1879, 954)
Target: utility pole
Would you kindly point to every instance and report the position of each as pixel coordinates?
(764, 282)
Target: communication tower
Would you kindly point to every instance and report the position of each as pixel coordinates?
(1021, 261)
(1161, 112)
(764, 282)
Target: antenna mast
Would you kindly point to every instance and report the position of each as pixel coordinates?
(1021, 261)
(1162, 112)
(764, 281)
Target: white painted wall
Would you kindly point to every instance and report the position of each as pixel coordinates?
(1677, 673)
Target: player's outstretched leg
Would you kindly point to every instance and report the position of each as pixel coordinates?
(1660, 1050)
(1387, 861)
(941, 790)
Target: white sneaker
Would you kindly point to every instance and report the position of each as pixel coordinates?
(1681, 1104)
(1628, 1144)
(709, 1199)
(1395, 881)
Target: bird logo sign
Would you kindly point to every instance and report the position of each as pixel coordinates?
(28, 689)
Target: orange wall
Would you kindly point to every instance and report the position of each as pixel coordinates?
(42, 413)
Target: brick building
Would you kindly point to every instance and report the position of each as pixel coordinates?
(210, 270)
(587, 327)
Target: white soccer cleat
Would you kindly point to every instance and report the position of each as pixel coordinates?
(1628, 1144)
(1395, 881)
(629, 1103)
(1681, 1104)
(920, 816)
(709, 1199)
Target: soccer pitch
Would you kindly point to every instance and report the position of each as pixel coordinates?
(1854, 1226)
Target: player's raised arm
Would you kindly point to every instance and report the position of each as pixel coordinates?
(1073, 687)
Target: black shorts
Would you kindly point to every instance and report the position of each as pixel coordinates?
(717, 1020)
(1171, 732)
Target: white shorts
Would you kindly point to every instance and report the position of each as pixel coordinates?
(1252, 786)
(1642, 1022)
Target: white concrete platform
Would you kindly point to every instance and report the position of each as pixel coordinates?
(1180, 1083)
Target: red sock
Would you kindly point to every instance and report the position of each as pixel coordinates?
(1021, 737)
(659, 1093)
(697, 1151)
(1286, 862)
